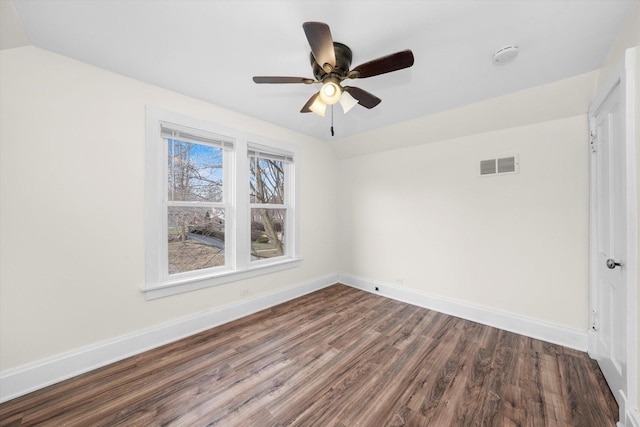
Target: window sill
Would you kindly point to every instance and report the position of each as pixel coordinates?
(193, 283)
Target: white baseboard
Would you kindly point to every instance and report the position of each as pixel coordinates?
(25, 379)
(511, 322)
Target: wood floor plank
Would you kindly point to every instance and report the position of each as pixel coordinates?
(336, 357)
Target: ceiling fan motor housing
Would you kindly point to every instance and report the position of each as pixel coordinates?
(343, 62)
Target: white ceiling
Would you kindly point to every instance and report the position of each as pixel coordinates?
(210, 49)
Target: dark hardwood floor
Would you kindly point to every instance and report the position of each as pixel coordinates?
(337, 357)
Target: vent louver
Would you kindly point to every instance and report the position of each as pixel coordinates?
(487, 167)
(499, 166)
(507, 164)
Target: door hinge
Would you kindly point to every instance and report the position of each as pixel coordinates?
(594, 320)
(593, 141)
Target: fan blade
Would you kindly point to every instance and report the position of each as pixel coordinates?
(279, 79)
(386, 64)
(366, 99)
(319, 38)
(306, 108)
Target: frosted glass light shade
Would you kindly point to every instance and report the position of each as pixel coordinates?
(347, 101)
(318, 106)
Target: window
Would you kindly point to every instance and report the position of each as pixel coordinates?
(196, 200)
(269, 202)
(220, 205)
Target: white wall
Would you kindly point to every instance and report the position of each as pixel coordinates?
(629, 37)
(560, 99)
(516, 243)
(71, 206)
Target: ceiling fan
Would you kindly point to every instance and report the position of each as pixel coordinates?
(330, 62)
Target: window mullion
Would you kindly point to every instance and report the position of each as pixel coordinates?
(229, 197)
(243, 210)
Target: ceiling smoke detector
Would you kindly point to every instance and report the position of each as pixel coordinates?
(505, 54)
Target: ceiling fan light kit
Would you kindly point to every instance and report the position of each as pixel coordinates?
(331, 62)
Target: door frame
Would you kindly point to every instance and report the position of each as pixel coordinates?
(624, 75)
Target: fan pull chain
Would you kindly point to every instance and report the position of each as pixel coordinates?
(332, 120)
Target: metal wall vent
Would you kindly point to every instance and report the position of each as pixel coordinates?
(499, 166)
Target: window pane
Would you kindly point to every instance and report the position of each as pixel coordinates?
(195, 238)
(267, 180)
(195, 172)
(267, 233)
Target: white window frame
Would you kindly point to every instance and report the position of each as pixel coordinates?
(264, 151)
(238, 264)
(227, 145)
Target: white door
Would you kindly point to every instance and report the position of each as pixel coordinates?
(609, 251)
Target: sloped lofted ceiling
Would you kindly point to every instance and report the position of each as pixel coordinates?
(211, 49)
